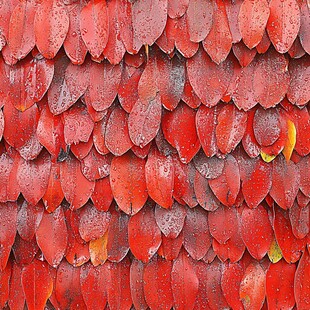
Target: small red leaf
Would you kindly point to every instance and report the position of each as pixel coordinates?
(179, 129)
(143, 234)
(184, 283)
(102, 196)
(128, 182)
(157, 284)
(52, 236)
(253, 17)
(155, 12)
(94, 25)
(159, 174)
(283, 23)
(52, 16)
(37, 284)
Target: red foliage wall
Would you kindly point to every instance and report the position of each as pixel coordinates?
(154, 154)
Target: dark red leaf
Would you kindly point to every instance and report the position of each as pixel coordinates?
(300, 220)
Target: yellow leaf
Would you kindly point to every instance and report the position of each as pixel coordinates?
(274, 252)
(290, 140)
(266, 157)
(98, 250)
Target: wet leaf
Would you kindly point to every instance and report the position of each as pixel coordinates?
(144, 235)
(128, 182)
(290, 140)
(274, 252)
(300, 220)
(52, 236)
(94, 26)
(102, 195)
(252, 21)
(37, 284)
(159, 174)
(16, 294)
(52, 16)
(98, 250)
(283, 23)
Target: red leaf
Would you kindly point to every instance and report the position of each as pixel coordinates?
(6, 166)
(5, 276)
(179, 129)
(76, 188)
(68, 289)
(303, 166)
(155, 13)
(52, 236)
(52, 16)
(159, 175)
(28, 219)
(157, 284)
(264, 44)
(283, 192)
(252, 287)
(271, 79)
(74, 45)
(253, 17)
(232, 11)
(244, 55)
(230, 128)
(189, 96)
(296, 50)
(290, 246)
(75, 132)
(208, 167)
(181, 37)
(304, 24)
(170, 221)
(298, 92)
(95, 166)
(24, 251)
(206, 122)
(177, 8)
(259, 177)
(197, 238)
(256, 231)
(300, 220)
(33, 177)
(93, 223)
(21, 38)
(203, 73)
(230, 283)
(280, 285)
(16, 295)
(102, 195)
(119, 297)
(170, 248)
(128, 182)
(136, 285)
(93, 285)
(144, 121)
(302, 282)
(143, 234)
(283, 23)
(170, 80)
(14, 120)
(243, 93)
(226, 187)
(94, 25)
(219, 40)
(199, 19)
(117, 244)
(53, 195)
(128, 89)
(104, 80)
(203, 193)
(222, 223)
(184, 283)
(37, 284)
(8, 215)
